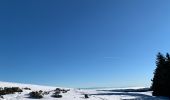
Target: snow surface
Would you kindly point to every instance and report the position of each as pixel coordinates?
(78, 94)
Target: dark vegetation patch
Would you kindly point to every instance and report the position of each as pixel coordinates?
(61, 90)
(35, 95)
(86, 96)
(9, 90)
(57, 95)
(1, 97)
(45, 93)
(26, 88)
(58, 91)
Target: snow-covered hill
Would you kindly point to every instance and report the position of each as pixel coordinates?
(78, 94)
(33, 87)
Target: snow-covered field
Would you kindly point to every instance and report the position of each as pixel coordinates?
(78, 94)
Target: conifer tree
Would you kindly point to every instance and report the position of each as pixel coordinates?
(168, 74)
(161, 79)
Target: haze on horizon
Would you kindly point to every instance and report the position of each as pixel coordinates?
(82, 43)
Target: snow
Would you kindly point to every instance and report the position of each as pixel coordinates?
(33, 87)
(78, 94)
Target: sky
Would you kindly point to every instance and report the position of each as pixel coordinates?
(82, 43)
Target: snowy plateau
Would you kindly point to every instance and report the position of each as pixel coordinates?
(131, 93)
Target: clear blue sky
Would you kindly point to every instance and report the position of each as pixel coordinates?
(82, 43)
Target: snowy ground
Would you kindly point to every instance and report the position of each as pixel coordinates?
(78, 94)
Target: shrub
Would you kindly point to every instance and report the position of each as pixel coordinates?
(41, 91)
(2, 92)
(58, 90)
(1, 97)
(9, 90)
(64, 91)
(16, 89)
(45, 93)
(35, 95)
(26, 88)
(86, 96)
(57, 95)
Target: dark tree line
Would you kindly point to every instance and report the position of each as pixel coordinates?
(161, 79)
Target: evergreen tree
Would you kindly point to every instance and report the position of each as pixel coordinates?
(168, 74)
(161, 79)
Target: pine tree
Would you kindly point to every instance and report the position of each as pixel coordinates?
(161, 79)
(168, 74)
(157, 80)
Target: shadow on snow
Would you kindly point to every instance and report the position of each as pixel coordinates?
(137, 96)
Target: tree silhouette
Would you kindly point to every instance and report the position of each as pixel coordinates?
(161, 79)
